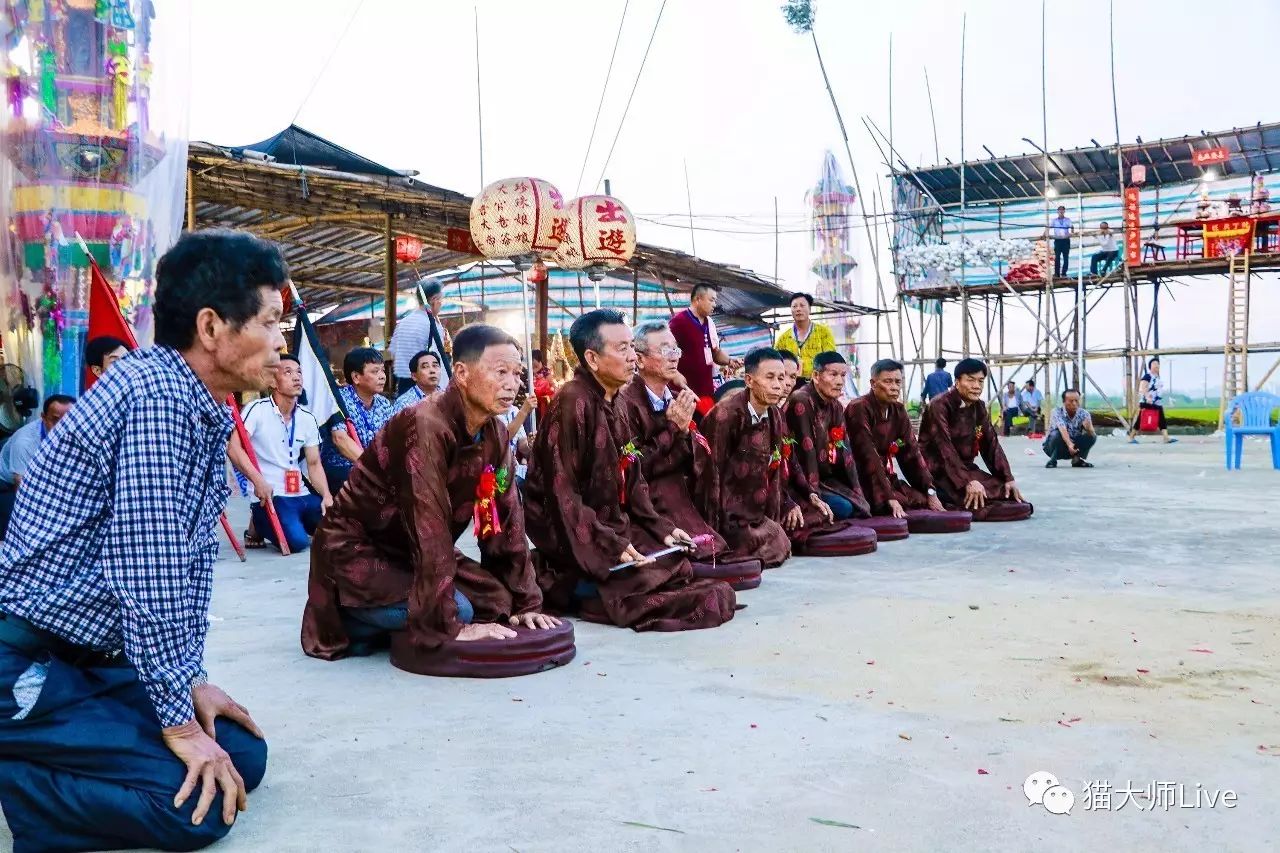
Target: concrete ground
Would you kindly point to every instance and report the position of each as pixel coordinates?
(897, 701)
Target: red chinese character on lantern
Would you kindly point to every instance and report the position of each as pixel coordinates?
(610, 212)
(522, 202)
(502, 188)
(484, 209)
(612, 240)
(522, 219)
(503, 222)
(499, 205)
(506, 239)
(557, 200)
(520, 188)
(559, 230)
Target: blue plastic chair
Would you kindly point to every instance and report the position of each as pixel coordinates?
(1255, 419)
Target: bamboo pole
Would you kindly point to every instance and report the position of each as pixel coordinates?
(191, 200)
(389, 294)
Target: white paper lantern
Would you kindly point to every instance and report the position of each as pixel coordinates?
(601, 233)
(518, 216)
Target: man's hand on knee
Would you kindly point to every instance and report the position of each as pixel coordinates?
(209, 765)
(212, 701)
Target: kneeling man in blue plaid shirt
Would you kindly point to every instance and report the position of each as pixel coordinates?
(111, 735)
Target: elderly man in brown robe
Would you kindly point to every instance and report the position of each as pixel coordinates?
(589, 507)
(660, 413)
(383, 559)
(740, 485)
(827, 473)
(880, 432)
(954, 431)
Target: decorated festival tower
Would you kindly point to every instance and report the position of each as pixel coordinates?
(87, 157)
(831, 200)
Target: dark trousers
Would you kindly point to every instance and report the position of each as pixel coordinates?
(337, 476)
(8, 495)
(1056, 448)
(840, 507)
(299, 517)
(1061, 253)
(1103, 259)
(1009, 415)
(86, 769)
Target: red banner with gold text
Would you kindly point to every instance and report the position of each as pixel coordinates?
(1224, 237)
(1132, 227)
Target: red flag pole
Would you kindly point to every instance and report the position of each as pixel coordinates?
(115, 324)
(269, 506)
(235, 540)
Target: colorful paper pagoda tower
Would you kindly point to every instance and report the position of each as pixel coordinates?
(76, 130)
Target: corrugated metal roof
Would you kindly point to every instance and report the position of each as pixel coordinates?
(1095, 170)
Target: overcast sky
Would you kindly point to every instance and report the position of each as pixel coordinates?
(732, 91)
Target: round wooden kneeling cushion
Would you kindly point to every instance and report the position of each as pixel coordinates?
(887, 528)
(928, 521)
(849, 542)
(1004, 511)
(531, 650)
(739, 574)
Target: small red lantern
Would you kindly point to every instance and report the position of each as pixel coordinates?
(538, 274)
(408, 248)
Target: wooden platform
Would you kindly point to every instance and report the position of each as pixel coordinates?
(1144, 272)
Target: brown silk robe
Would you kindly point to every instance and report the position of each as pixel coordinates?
(580, 527)
(389, 536)
(809, 418)
(950, 443)
(736, 489)
(667, 465)
(871, 432)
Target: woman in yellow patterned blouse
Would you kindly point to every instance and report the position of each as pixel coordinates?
(806, 338)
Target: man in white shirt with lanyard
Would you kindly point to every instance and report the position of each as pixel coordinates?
(282, 433)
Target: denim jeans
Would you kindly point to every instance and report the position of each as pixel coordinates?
(299, 517)
(840, 507)
(365, 623)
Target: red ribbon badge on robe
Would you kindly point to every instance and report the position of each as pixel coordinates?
(787, 442)
(491, 484)
(893, 452)
(627, 455)
(977, 442)
(835, 443)
(775, 458)
(698, 437)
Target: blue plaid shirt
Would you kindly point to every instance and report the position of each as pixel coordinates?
(113, 538)
(368, 423)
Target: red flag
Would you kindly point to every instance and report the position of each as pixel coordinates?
(105, 317)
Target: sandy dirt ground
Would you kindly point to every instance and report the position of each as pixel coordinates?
(1127, 635)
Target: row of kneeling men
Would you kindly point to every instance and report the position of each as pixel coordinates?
(626, 465)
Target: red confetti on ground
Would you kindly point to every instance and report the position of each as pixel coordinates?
(1064, 724)
(1013, 570)
(1260, 746)
(1144, 671)
(1202, 651)
(871, 663)
(982, 772)
(1256, 702)
(602, 674)
(1075, 719)
(754, 726)
(704, 790)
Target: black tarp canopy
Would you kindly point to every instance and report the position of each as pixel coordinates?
(296, 146)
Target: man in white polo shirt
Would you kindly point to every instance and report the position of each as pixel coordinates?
(283, 433)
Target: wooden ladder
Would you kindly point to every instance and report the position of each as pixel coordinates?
(1235, 362)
